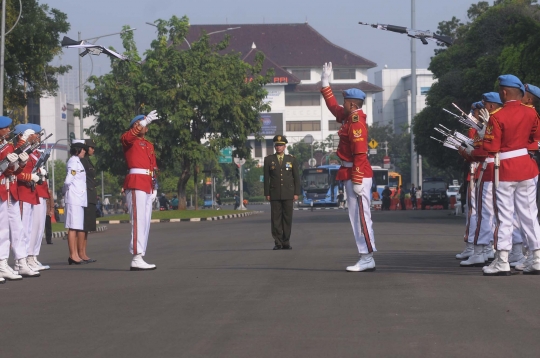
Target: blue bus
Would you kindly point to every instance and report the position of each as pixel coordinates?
(381, 178)
(319, 185)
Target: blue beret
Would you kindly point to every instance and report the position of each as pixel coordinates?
(137, 118)
(535, 91)
(19, 128)
(35, 127)
(354, 93)
(5, 122)
(511, 81)
(492, 97)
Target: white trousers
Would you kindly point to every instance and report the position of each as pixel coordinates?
(518, 197)
(11, 230)
(483, 228)
(360, 216)
(27, 215)
(38, 227)
(140, 210)
(471, 221)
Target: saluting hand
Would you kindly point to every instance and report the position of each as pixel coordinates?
(326, 72)
(150, 117)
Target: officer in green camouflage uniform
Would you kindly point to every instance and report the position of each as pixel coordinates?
(281, 188)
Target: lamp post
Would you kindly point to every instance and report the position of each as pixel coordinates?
(81, 91)
(3, 33)
(308, 139)
(211, 33)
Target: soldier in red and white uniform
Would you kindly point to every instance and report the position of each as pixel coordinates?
(355, 169)
(140, 186)
(508, 134)
(11, 227)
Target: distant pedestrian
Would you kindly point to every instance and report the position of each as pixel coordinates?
(236, 201)
(218, 201)
(402, 197)
(106, 203)
(174, 202)
(413, 196)
(341, 202)
(386, 193)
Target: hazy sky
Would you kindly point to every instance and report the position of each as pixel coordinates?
(337, 21)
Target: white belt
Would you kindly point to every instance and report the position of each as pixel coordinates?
(347, 164)
(513, 153)
(140, 171)
(490, 160)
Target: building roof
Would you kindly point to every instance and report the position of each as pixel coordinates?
(315, 87)
(289, 45)
(280, 74)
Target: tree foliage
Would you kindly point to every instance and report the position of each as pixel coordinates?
(202, 95)
(32, 44)
(502, 38)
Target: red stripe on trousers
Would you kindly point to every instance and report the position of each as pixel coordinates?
(496, 212)
(134, 210)
(469, 204)
(479, 201)
(364, 227)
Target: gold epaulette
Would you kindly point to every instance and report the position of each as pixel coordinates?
(495, 111)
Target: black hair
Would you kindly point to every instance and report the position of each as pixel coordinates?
(75, 150)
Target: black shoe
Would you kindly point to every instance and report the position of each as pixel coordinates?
(89, 261)
(277, 247)
(73, 262)
(286, 247)
(49, 243)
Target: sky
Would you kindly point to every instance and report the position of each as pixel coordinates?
(337, 21)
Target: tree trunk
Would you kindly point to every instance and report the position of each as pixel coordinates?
(182, 183)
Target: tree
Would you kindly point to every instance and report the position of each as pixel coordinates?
(499, 39)
(30, 47)
(203, 95)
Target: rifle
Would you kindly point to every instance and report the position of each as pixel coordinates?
(41, 162)
(415, 34)
(26, 147)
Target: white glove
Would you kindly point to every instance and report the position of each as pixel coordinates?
(42, 171)
(469, 149)
(12, 157)
(153, 196)
(23, 157)
(152, 116)
(35, 178)
(482, 131)
(484, 115)
(27, 133)
(358, 188)
(326, 72)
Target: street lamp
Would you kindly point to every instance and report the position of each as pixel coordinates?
(3, 33)
(81, 92)
(308, 139)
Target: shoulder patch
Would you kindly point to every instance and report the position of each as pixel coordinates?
(355, 118)
(73, 172)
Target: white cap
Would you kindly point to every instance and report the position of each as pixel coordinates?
(77, 141)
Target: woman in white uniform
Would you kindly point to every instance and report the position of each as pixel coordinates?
(75, 198)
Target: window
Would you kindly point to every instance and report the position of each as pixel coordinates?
(258, 149)
(303, 126)
(294, 99)
(344, 74)
(269, 147)
(334, 125)
(302, 74)
(424, 90)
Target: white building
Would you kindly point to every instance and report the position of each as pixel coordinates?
(296, 53)
(392, 105)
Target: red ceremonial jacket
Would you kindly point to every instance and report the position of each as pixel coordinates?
(42, 190)
(353, 140)
(139, 154)
(25, 178)
(513, 127)
(8, 149)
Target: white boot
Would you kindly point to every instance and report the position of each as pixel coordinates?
(469, 250)
(7, 273)
(365, 264)
(138, 264)
(475, 260)
(489, 253)
(501, 266)
(534, 267)
(527, 262)
(22, 268)
(35, 265)
(516, 254)
(2, 281)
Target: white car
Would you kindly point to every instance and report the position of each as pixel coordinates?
(453, 190)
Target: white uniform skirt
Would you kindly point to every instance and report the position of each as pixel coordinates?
(74, 217)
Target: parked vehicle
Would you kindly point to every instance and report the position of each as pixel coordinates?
(434, 192)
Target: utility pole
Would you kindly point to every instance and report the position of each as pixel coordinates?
(414, 161)
(81, 94)
(240, 163)
(2, 54)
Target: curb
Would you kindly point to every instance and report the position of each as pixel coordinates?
(157, 221)
(58, 234)
(309, 209)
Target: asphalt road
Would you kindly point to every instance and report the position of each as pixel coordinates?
(220, 291)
